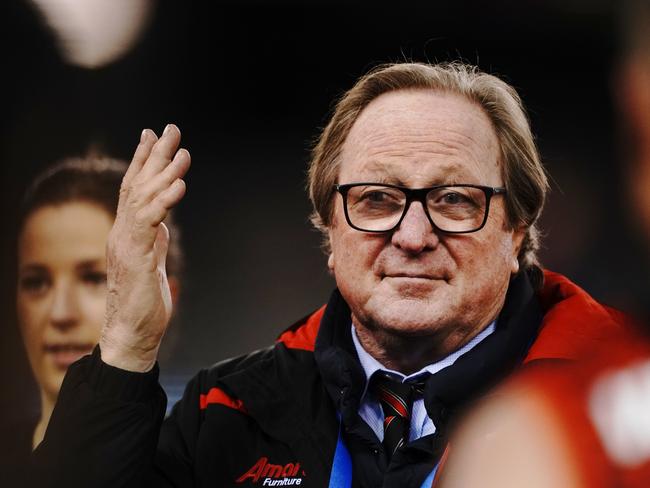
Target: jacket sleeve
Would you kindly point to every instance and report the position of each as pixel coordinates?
(105, 430)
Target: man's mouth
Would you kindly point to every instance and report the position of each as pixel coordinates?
(412, 276)
(415, 275)
(64, 354)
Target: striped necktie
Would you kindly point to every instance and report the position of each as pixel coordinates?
(396, 399)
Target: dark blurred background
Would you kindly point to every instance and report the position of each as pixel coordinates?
(249, 84)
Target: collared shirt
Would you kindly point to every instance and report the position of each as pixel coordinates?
(370, 410)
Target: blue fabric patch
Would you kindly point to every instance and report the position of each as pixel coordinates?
(341, 475)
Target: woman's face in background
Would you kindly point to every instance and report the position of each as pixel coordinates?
(61, 292)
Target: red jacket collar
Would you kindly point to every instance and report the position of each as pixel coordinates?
(574, 322)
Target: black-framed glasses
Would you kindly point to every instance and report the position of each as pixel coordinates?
(454, 209)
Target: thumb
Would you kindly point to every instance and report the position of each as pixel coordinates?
(161, 245)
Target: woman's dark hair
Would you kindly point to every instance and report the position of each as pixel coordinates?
(93, 179)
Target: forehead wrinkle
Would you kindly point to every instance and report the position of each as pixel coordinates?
(379, 150)
(424, 135)
(380, 114)
(403, 145)
(465, 133)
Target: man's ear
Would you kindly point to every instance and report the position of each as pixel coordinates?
(330, 257)
(518, 236)
(330, 262)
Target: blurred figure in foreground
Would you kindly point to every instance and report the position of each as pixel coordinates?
(584, 425)
(64, 223)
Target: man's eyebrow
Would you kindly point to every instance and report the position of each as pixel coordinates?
(389, 180)
(448, 174)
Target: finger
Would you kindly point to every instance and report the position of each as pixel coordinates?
(147, 140)
(178, 167)
(147, 218)
(149, 190)
(162, 153)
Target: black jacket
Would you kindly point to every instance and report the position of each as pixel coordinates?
(270, 418)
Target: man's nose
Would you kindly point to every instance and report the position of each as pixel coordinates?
(64, 312)
(415, 233)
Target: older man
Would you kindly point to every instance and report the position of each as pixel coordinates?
(427, 185)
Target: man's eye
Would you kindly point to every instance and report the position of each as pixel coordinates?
(454, 198)
(381, 196)
(376, 196)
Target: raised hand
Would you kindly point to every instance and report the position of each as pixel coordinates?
(138, 305)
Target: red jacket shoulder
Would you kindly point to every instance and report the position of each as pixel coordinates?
(573, 321)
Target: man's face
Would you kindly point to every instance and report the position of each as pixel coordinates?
(415, 281)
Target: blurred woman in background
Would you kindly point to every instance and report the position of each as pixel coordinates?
(65, 219)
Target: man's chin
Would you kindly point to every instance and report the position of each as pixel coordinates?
(406, 317)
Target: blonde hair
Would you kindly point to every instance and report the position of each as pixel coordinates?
(523, 174)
